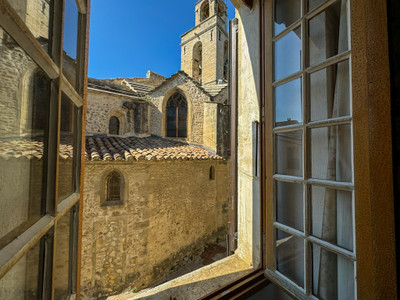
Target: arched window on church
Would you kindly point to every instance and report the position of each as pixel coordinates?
(197, 62)
(40, 95)
(226, 61)
(177, 116)
(113, 126)
(114, 187)
(204, 11)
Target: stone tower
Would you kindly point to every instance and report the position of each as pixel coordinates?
(205, 47)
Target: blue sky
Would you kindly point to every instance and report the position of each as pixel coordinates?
(129, 37)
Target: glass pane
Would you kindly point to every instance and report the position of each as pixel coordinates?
(62, 255)
(67, 145)
(314, 3)
(36, 15)
(288, 103)
(21, 282)
(333, 275)
(330, 92)
(288, 54)
(328, 33)
(289, 153)
(289, 204)
(286, 13)
(332, 216)
(290, 256)
(24, 97)
(171, 121)
(70, 40)
(331, 153)
(182, 114)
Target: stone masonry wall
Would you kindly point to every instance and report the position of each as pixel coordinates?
(195, 97)
(167, 217)
(101, 106)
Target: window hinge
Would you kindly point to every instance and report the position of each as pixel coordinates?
(236, 236)
(262, 115)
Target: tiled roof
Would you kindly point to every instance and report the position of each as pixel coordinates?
(110, 86)
(101, 148)
(30, 149)
(137, 87)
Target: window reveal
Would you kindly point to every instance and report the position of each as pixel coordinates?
(114, 186)
(312, 134)
(113, 126)
(177, 116)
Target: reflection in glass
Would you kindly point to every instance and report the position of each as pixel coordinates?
(331, 153)
(330, 92)
(328, 33)
(289, 153)
(288, 103)
(288, 54)
(290, 256)
(21, 282)
(286, 13)
(332, 216)
(36, 15)
(67, 144)
(62, 256)
(24, 97)
(333, 275)
(289, 204)
(314, 3)
(70, 40)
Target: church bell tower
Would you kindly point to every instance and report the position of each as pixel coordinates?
(204, 48)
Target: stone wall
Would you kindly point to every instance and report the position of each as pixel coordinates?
(195, 98)
(101, 106)
(168, 216)
(212, 46)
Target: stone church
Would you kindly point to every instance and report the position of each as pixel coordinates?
(145, 214)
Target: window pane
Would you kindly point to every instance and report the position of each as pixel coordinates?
(314, 3)
(328, 33)
(330, 92)
(24, 97)
(182, 114)
(331, 153)
(62, 257)
(289, 153)
(290, 256)
(288, 103)
(288, 54)
(70, 40)
(286, 13)
(36, 15)
(333, 275)
(67, 145)
(21, 282)
(332, 216)
(289, 204)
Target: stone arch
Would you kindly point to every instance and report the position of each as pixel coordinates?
(108, 197)
(204, 11)
(189, 118)
(197, 62)
(121, 117)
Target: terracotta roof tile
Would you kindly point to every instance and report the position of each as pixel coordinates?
(101, 148)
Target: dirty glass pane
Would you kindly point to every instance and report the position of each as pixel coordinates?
(21, 282)
(331, 153)
(289, 153)
(71, 15)
(288, 103)
(171, 121)
(332, 216)
(67, 145)
(290, 256)
(24, 98)
(328, 34)
(314, 3)
(288, 54)
(333, 275)
(289, 204)
(62, 257)
(36, 15)
(182, 116)
(286, 13)
(330, 92)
